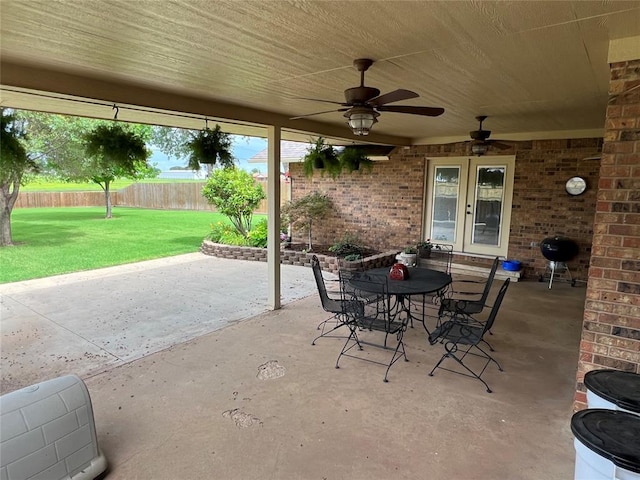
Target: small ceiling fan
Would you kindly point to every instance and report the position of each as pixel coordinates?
(480, 142)
(362, 105)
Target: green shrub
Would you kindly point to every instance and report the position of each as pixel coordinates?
(235, 194)
(234, 238)
(257, 237)
(348, 245)
(220, 230)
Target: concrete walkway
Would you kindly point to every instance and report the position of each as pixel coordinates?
(88, 322)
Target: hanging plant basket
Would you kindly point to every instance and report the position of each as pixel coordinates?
(210, 146)
(321, 156)
(354, 159)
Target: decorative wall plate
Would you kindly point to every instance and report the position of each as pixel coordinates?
(576, 186)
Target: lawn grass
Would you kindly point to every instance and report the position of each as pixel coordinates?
(40, 185)
(51, 241)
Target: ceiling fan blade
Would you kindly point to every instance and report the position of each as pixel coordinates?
(426, 111)
(319, 113)
(391, 97)
(320, 100)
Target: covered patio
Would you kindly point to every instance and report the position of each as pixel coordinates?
(558, 81)
(253, 399)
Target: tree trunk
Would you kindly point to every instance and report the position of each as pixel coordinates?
(310, 246)
(107, 198)
(8, 198)
(5, 224)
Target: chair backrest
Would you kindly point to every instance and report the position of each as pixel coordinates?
(487, 286)
(496, 306)
(441, 257)
(372, 291)
(329, 304)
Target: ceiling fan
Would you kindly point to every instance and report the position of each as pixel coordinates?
(480, 142)
(363, 104)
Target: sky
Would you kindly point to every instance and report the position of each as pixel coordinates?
(243, 149)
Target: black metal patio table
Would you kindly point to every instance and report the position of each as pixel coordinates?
(421, 281)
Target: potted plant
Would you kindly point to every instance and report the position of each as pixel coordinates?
(210, 147)
(424, 248)
(321, 156)
(409, 256)
(353, 158)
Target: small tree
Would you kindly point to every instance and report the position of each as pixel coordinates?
(115, 152)
(235, 194)
(303, 212)
(14, 163)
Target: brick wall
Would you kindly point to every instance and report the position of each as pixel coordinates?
(611, 329)
(541, 206)
(385, 207)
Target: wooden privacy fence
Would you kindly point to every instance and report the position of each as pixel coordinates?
(162, 196)
(62, 199)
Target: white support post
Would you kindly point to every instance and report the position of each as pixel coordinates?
(273, 214)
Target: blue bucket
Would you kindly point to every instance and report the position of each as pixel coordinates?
(511, 265)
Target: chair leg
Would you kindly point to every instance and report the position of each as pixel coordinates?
(488, 345)
(326, 334)
(346, 347)
(490, 358)
(396, 355)
(339, 323)
(451, 351)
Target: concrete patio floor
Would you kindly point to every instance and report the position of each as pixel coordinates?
(254, 400)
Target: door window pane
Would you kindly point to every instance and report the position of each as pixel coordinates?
(489, 191)
(446, 191)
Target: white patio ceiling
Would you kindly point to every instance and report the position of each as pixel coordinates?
(537, 69)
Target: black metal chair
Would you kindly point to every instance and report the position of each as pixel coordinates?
(460, 334)
(440, 259)
(466, 304)
(336, 306)
(380, 315)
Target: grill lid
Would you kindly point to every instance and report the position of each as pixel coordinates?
(558, 249)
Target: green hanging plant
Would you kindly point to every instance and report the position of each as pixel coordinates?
(323, 157)
(210, 147)
(353, 158)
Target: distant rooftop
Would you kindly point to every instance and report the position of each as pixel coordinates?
(293, 152)
(290, 152)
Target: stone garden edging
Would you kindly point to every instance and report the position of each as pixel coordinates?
(294, 257)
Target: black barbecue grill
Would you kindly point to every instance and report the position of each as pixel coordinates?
(558, 250)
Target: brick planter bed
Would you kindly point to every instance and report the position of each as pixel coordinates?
(294, 257)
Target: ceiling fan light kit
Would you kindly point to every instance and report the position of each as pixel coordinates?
(361, 119)
(362, 104)
(479, 149)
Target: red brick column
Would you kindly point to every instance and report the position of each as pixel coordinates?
(611, 329)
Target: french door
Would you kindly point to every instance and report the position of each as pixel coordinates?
(468, 203)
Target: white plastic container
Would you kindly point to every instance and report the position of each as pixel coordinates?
(613, 390)
(607, 444)
(48, 433)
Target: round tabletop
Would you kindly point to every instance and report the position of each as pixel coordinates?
(420, 281)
